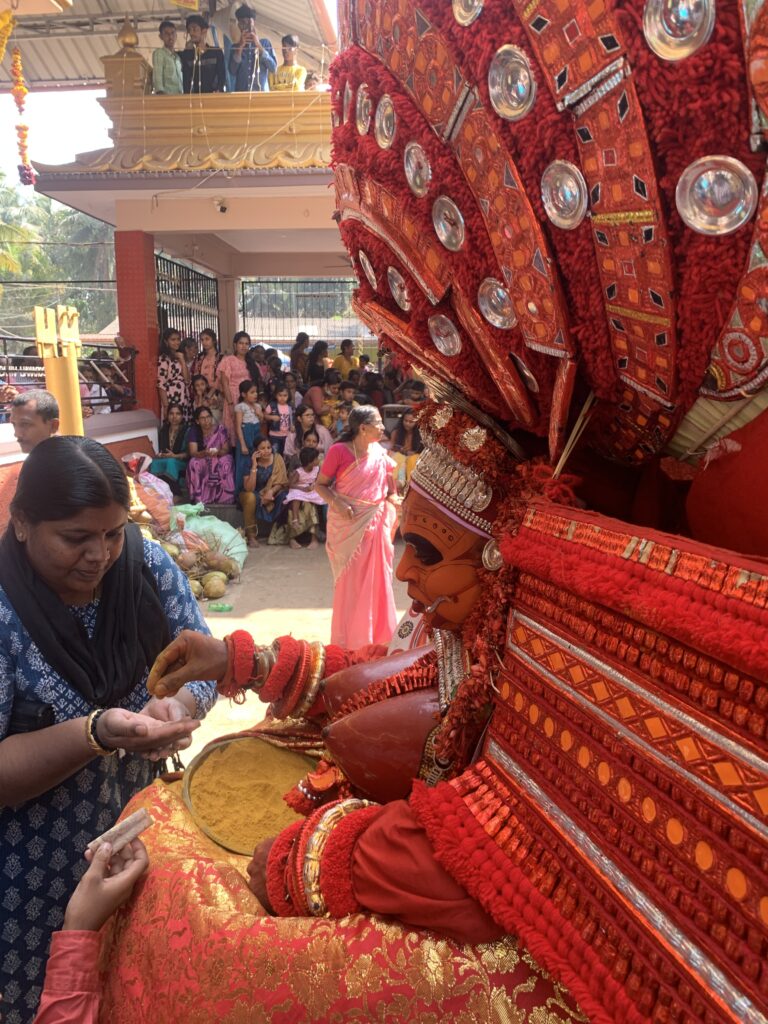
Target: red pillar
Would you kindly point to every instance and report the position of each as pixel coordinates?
(137, 309)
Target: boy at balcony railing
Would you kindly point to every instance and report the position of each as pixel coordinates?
(253, 60)
(166, 64)
(202, 66)
(290, 76)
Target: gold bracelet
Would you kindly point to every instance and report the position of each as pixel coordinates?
(90, 734)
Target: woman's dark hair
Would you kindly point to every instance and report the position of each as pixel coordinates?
(199, 410)
(315, 367)
(298, 429)
(245, 387)
(398, 434)
(238, 336)
(312, 432)
(174, 405)
(167, 333)
(358, 418)
(212, 335)
(63, 476)
(301, 339)
(307, 456)
(199, 376)
(331, 377)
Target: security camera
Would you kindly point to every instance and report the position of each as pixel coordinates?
(221, 205)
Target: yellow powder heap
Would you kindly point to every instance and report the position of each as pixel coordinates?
(235, 791)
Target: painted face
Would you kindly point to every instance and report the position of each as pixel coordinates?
(73, 555)
(29, 426)
(168, 36)
(440, 562)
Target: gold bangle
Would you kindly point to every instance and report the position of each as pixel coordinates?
(90, 734)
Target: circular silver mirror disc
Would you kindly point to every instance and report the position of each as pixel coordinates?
(444, 334)
(716, 195)
(495, 303)
(418, 173)
(511, 84)
(448, 223)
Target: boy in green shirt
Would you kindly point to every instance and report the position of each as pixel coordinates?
(166, 65)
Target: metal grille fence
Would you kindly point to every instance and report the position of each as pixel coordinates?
(186, 299)
(275, 309)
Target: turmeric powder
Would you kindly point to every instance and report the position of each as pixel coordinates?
(235, 791)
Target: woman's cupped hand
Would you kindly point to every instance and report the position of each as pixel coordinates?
(152, 732)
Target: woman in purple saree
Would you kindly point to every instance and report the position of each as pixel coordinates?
(211, 469)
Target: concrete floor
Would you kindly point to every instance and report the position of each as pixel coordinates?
(280, 591)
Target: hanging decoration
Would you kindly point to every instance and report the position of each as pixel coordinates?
(19, 91)
(7, 25)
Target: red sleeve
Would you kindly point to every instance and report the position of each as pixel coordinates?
(337, 458)
(71, 993)
(394, 872)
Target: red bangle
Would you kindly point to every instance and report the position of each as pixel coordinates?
(281, 674)
(292, 693)
(240, 652)
(277, 862)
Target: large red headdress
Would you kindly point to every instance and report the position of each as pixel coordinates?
(545, 200)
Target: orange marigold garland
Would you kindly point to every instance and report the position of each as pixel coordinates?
(7, 25)
(19, 92)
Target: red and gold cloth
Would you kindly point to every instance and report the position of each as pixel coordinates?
(193, 945)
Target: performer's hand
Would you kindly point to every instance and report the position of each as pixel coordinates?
(190, 656)
(105, 886)
(257, 873)
(118, 729)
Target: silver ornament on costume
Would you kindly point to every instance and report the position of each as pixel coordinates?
(399, 289)
(530, 381)
(347, 104)
(495, 303)
(418, 173)
(368, 270)
(465, 11)
(716, 195)
(444, 335)
(511, 84)
(565, 194)
(674, 29)
(492, 558)
(363, 109)
(385, 122)
(448, 223)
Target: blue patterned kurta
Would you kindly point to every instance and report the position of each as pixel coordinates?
(42, 841)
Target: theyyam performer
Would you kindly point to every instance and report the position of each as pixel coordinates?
(548, 800)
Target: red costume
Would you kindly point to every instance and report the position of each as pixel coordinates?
(549, 208)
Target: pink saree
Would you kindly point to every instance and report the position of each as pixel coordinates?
(361, 553)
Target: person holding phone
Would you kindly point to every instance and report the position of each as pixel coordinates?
(252, 60)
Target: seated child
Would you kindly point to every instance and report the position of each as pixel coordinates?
(342, 417)
(290, 76)
(303, 499)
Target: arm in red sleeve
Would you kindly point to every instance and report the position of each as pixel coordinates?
(394, 872)
(72, 992)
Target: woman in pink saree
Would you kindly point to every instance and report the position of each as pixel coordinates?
(232, 371)
(357, 482)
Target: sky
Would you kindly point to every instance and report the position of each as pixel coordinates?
(51, 117)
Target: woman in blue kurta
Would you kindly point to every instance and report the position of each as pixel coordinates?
(85, 606)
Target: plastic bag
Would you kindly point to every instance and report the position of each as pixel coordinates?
(218, 535)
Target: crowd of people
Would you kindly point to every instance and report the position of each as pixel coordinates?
(249, 428)
(245, 63)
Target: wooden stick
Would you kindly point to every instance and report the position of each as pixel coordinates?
(123, 832)
(578, 430)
